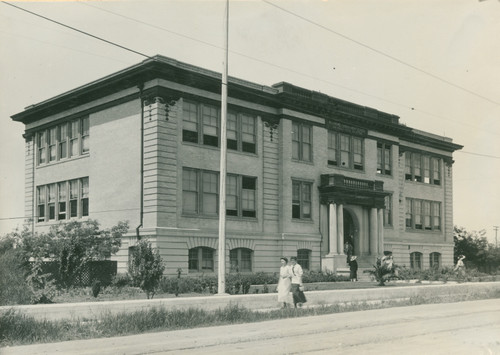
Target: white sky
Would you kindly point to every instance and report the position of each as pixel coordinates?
(455, 40)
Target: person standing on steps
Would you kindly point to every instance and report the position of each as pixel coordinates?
(353, 267)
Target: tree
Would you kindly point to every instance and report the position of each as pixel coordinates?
(474, 246)
(146, 267)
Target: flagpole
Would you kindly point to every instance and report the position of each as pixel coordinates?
(221, 289)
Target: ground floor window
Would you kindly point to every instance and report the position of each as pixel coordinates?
(435, 260)
(240, 260)
(416, 261)
(201, 259)
(304, 258)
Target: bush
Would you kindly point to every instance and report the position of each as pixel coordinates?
(146, 268)
(13, 287)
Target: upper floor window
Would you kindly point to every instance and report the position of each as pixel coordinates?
(422, 168)
(240, 260)
(301, 200)
(304, 258)
(53, 142)
(384, 162)
(345, 151)
(301, 142)
(200, 123)
(201, 259)
(388, 211)
(241, 132)
(53, 200)
(240, 196)
(423, 214)
(200, 193)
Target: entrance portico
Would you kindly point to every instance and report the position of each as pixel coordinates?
(356, 198)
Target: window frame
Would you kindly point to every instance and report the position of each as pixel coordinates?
(301, 202)
(416, 260)
(435, 260)
(300, 153)
(388, 218)
(384, 158)
(304, 258)
(423, 168)
(200, 254)
(201, 117)
(346, 146)
(51, 197)
(241, 260)
(415, 215)
(239, 143)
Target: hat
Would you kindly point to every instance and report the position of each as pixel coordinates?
(354, 257)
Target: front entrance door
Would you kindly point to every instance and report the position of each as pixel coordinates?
(349, 232)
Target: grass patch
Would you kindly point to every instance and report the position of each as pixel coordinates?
(18, 329)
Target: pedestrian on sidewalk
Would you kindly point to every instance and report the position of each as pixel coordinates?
(297, 287)
(284, 283)
(353, 267)
(460, 267)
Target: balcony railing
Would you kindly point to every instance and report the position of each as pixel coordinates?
(351, 183)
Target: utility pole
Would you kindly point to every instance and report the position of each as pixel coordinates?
(221, 288)
(496, 240)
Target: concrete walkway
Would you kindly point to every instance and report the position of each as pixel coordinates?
(268, 301)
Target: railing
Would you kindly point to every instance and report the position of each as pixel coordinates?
(351, 183)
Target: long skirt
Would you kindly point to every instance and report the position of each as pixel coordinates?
(284, 285)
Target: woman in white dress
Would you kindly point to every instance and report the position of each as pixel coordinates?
(284, 283)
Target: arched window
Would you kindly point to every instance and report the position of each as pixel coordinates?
(201, 259)
(241, 260)
(304, 258)
(435, 260)
(416, 260)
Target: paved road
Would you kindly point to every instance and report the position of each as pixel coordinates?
(453, 328)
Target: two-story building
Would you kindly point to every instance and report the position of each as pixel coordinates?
(306, 172)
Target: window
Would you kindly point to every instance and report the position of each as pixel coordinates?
(303, 258)
(423, 214)
(42, 150)
(54, 199)
(388, 211)
(241, 132)
(416, 261)
(345, 150)
(200, 192)
(422, 168)
(301, 142)
(201, 259)
(240, 260)
(53, 142)
(40, 190)
(435, 260)
(301, 200)
(200, 124)
(384, 162)
(63, 141)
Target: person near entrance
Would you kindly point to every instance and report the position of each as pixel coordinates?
(348, 249)
(353, 268)
(297, 286)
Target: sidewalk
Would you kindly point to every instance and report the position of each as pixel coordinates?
(253, 301)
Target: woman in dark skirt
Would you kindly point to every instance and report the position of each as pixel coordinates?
(353, 267)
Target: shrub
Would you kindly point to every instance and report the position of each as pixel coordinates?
(146, 268)
(13, 287)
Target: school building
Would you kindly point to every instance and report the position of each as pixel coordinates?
(306, 172)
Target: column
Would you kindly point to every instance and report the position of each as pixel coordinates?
(380, 213)
(373, 232)
(332, 228)
(340, 229)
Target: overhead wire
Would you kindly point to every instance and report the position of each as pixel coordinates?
(383, 53)
(210, 44)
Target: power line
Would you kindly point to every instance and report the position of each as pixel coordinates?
(384, 54)
(237, 53)
(77, 30)
(478, 154)
(278, 66)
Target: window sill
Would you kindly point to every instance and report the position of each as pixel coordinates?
(311, 162)
(62, 161)
(306, 221)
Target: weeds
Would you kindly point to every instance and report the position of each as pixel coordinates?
(17, 328)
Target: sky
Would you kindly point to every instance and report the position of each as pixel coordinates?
(434, 63)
